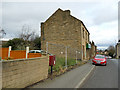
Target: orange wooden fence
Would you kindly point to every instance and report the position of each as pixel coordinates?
(17, 54)
(4, 53)
(33, 55)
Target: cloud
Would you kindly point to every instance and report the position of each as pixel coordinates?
(15, 15)
(0, 13)
(18, 12)
(107, 13)
(119, 21)
(104, 1)
(101, 13)
(100, 18)
(104, 34)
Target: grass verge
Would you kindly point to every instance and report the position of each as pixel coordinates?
(59, 67)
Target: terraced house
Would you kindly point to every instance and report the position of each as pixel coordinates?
(93, 49)
(63, 28)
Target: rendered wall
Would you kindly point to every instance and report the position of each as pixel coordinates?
(22, 73)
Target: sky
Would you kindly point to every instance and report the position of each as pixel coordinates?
(99, 16)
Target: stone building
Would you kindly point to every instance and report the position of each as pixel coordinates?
(93, 50)
(64, 29)
(118, 50)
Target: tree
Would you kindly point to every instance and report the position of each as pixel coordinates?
(26, 38)
(111, 51)
(2, 33)
(16, 43)
(27, 33)
(37, 42)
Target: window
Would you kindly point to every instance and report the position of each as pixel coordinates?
(86, 36)
(37, 51)
(83, 32)
(31, 51)
(99, 56)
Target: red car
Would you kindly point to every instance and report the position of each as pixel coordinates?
(100, 59)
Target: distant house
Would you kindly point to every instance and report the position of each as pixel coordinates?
(93, 49)
(63, 28)
(106, 52)
(3, 41)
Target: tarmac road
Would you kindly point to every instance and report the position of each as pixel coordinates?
(104, 76)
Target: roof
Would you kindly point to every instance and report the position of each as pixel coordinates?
(118, 43)
(3, 39)
(70, 15)
(85, 27)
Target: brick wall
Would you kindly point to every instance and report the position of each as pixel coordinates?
(22, 73)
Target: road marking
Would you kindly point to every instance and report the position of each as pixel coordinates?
(80, 83)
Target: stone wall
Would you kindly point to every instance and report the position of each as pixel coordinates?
(0, 75)
(84, 40)
(60, 27)
(22, 73)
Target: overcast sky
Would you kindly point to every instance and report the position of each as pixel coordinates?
(100, 18)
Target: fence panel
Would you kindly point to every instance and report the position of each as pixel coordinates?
(33, 55)
(73, 56)
(4, 53)
(59, 52)
(65, 56)
(18, 54)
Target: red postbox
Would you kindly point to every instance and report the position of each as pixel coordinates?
(52, 60)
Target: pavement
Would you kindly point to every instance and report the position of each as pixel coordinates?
(104, 76)
(71, 79)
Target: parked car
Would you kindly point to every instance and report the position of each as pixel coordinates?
(37, 51)
(99, 59)
(109, 57)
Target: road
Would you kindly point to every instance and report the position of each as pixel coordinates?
(104, 76)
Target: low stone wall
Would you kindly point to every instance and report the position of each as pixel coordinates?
(0, 75)
(22, 73)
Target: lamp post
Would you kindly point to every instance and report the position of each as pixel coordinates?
(66, 57)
